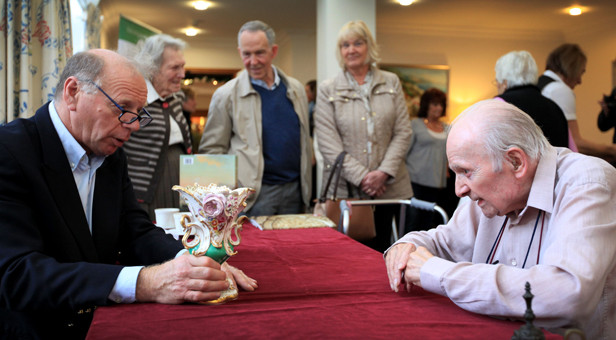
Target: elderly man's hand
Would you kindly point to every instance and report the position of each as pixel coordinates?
(396, 262)
(416, 260)
(238, 277)
(187, 278)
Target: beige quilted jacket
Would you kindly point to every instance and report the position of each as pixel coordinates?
(234, 127)
(341, 124)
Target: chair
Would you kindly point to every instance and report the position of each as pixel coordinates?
(343, 224)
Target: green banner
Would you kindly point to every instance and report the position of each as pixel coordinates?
(131, 31)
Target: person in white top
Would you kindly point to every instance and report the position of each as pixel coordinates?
(564, 69)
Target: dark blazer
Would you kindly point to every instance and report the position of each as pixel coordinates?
(52, 270)
(546, 113)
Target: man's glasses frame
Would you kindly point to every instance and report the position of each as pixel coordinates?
(143, 117)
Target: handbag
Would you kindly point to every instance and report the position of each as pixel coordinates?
(361, 224)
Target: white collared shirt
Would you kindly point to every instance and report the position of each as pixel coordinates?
(83, 166)
(84, 171)
(263, 84)
(175, 133)
(561, 94)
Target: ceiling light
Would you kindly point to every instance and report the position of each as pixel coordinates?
(201, 5)
(191, 31)
(575, 11)
(405, 2)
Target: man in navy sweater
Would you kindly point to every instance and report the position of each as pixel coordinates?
(261, 116)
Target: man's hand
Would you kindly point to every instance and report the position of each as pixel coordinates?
(396, 262)
(416, 260)
(238, 277)
(186, 278)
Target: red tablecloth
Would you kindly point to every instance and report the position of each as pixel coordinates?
(313, 283)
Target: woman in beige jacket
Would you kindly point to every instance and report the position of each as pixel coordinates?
(362, 111)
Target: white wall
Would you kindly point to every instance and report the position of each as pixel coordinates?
(297, 56)
(220, 53)
(470, 59)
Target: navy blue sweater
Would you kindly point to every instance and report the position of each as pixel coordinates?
(280, 136)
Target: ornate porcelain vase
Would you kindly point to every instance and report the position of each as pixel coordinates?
(213, 229)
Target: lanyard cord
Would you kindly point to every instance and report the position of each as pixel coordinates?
(500, 235)
(496, 242)
(540, 237)
(531, 239)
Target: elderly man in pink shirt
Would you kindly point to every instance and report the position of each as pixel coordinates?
(537, 213)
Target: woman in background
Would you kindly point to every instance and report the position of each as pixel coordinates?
(362, 111)
(153, 152)
(426, 159)
(564, 69)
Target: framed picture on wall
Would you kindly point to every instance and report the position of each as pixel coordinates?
(416, 79)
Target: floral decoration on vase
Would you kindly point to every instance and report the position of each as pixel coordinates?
(213, 227)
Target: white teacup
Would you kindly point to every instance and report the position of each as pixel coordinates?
(164, 217)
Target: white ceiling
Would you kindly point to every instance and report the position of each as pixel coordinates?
(223, 19)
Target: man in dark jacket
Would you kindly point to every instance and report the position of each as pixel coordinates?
(73, 234)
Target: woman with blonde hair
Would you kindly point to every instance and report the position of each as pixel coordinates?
(362, 111)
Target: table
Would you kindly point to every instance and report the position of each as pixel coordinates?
(313, 283)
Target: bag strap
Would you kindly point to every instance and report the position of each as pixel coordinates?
(543, 81)
(337, 168)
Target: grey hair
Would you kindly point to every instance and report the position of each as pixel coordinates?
(150, 56)
(256, 26)
(84, 66)
(517, 68)
(506, 127)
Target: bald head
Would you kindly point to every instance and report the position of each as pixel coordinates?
(113, 58)
(495, 126)
(494, 150)
(94, 65)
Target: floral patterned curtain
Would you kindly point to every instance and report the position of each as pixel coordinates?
(35, 42)
(93, 25)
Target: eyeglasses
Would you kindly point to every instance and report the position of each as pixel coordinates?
(143, 116)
